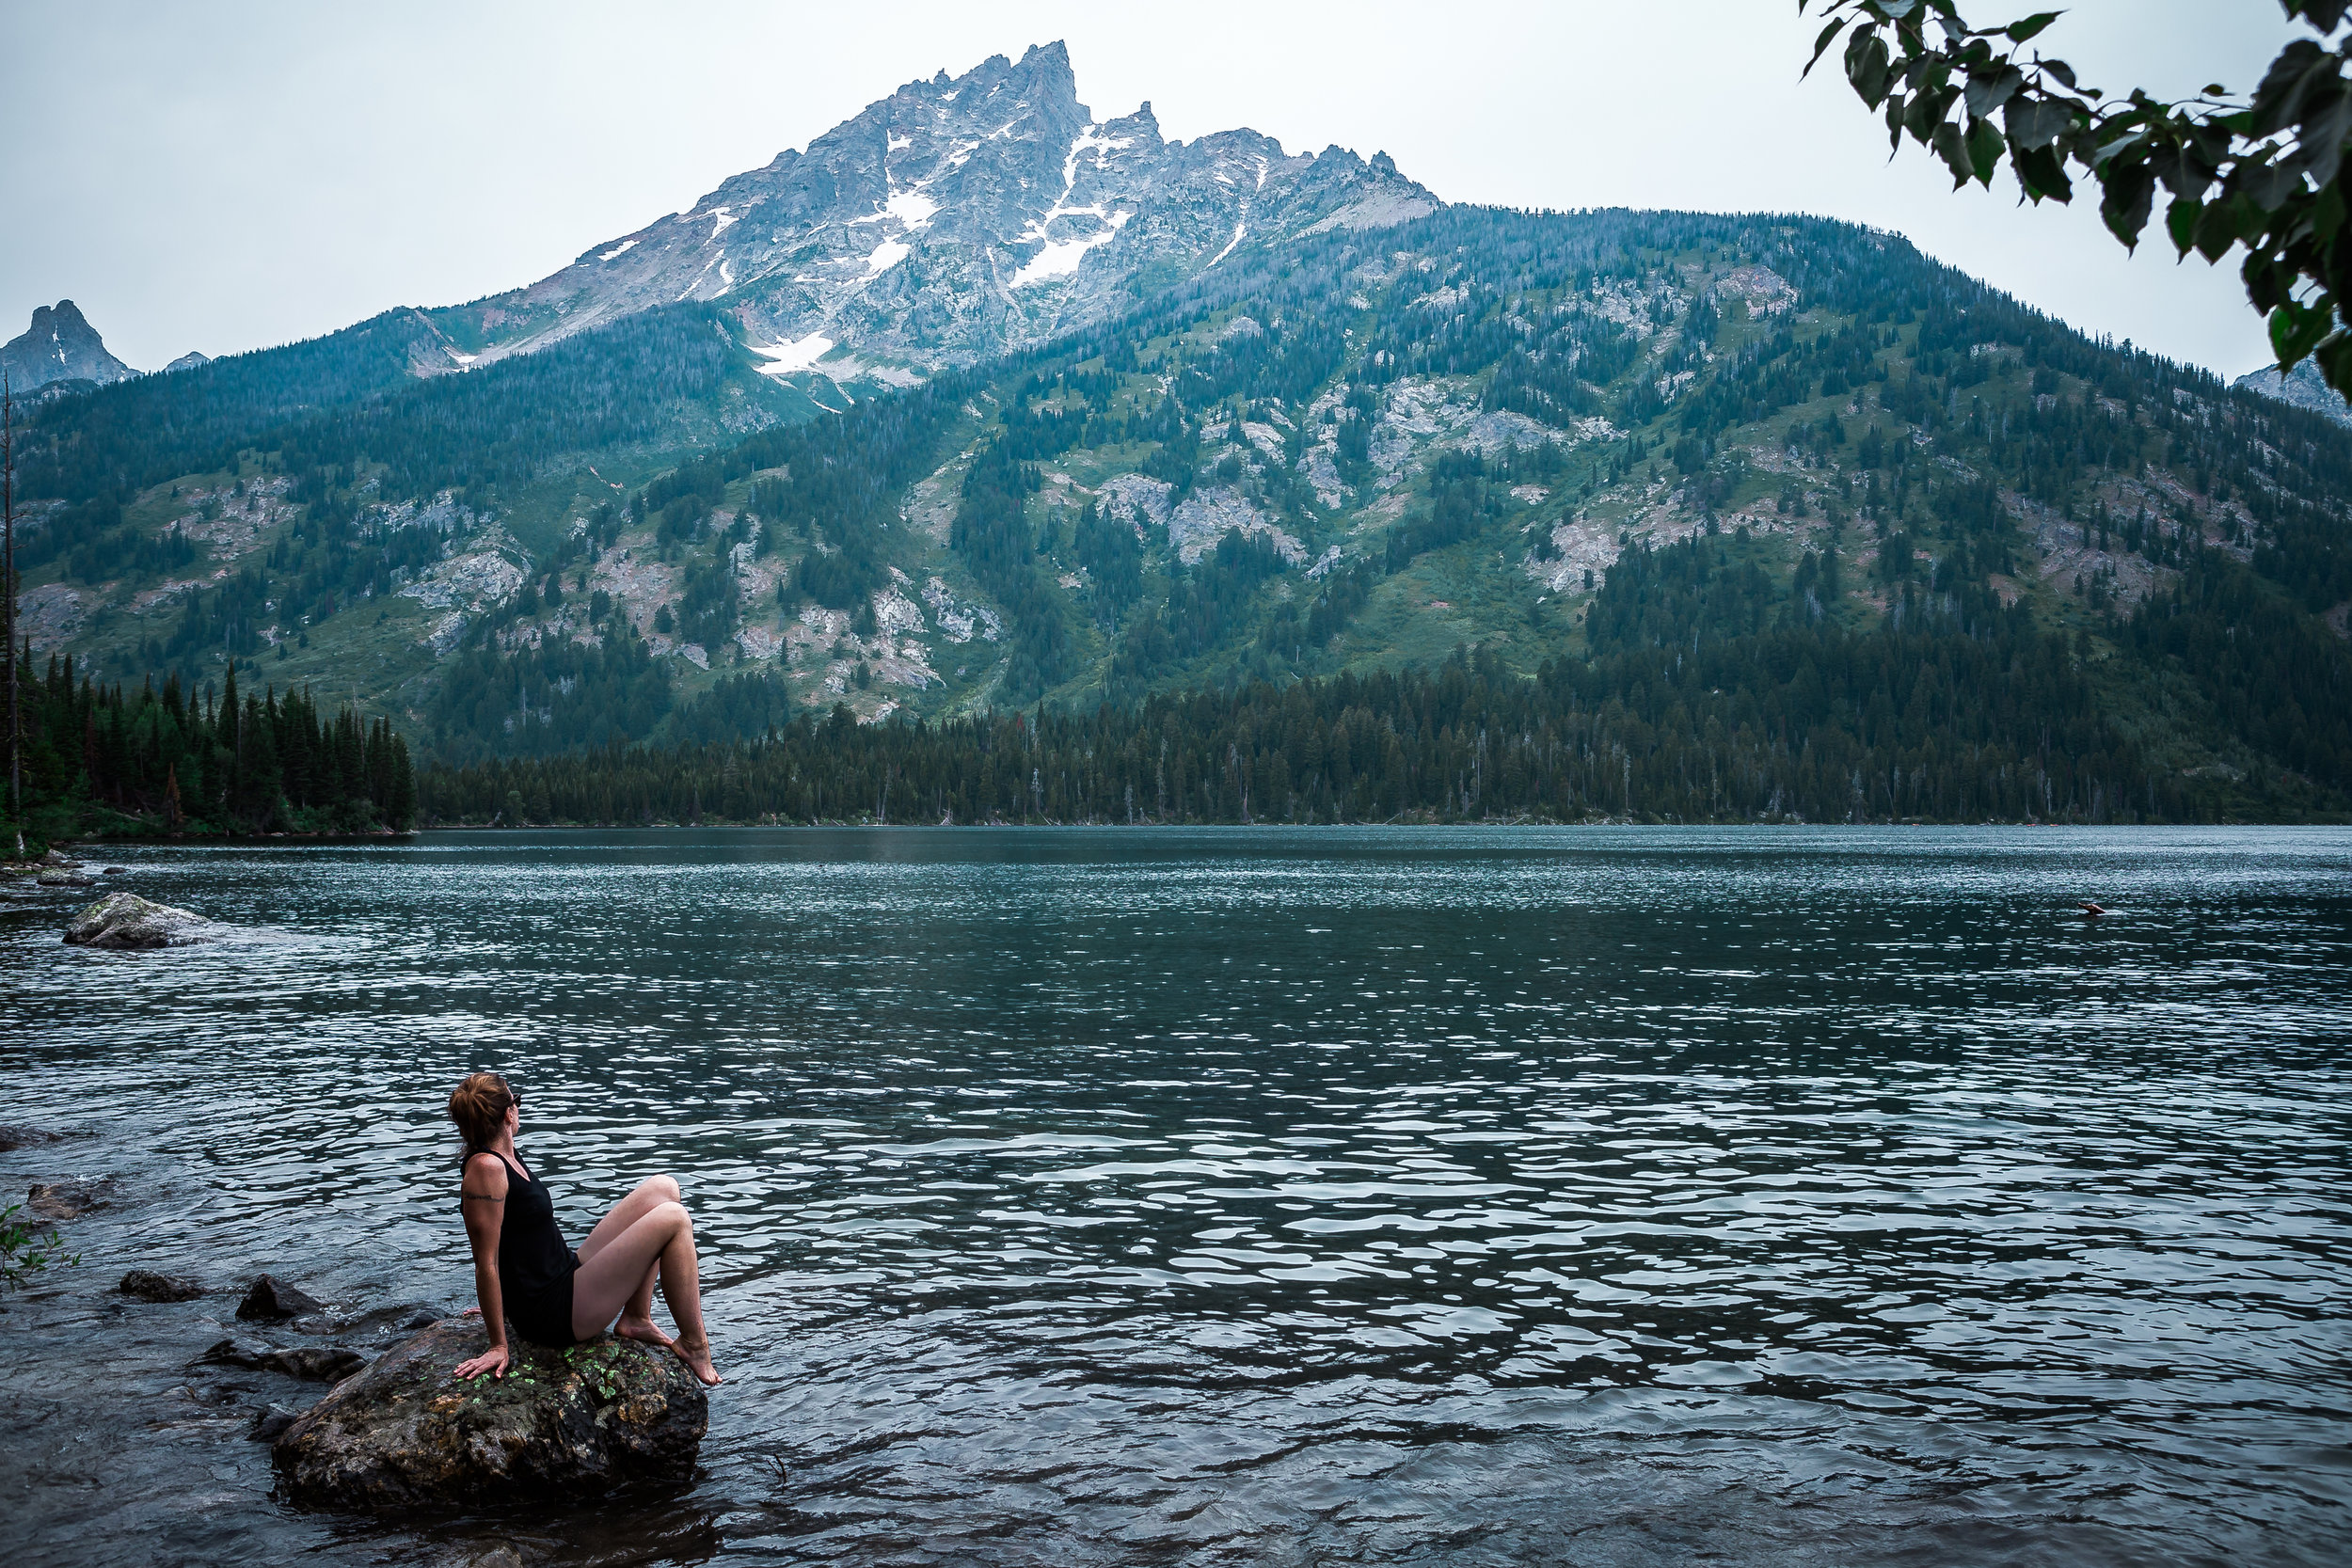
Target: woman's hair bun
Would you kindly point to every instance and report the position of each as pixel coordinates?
(479, 1106)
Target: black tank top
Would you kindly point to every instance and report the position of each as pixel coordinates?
(533, 1258)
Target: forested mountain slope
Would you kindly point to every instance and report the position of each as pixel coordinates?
(1862, 498)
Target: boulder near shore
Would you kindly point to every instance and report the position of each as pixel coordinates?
(127, 920)
(604, 1416)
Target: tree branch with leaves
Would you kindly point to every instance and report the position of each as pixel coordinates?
(2264, 174)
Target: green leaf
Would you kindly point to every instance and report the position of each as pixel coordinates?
(1920, 119)
(1952, 146)
(2034, 122)
(2131, 192)
(1984, 151)
(2216, 231)
(2181, 221)
(1821, 45)
(2294, 331)
(1866, 66)
(1988, 92)
(2041, 173)
(2026, 28)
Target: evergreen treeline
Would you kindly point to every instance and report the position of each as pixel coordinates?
(1954, 710)
(105, 761)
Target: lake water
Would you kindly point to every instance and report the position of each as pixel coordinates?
(1262, 1196)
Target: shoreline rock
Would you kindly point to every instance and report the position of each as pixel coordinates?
(604, 1416)
(126, 920)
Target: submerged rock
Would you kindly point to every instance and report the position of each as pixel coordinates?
(272, 1297)
(150, 1286)
(24, 1137)
(66, 1200)
(62, 879)
(309, 1362)
(602, 1416)
(127, 920)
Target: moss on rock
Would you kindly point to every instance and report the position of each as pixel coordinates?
(603, 1416)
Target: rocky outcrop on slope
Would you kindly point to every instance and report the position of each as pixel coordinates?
(953, 219)
(2303, 387)
(602, 1416)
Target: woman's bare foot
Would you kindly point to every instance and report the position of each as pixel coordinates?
(643, 1331)
(696, 1354)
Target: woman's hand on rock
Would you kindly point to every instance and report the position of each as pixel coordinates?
(470, 1312)
(492, 1361)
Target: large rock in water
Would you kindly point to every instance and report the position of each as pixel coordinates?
(602, 1416)
(127, 920)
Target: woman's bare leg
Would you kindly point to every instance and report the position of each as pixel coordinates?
(636, 1316)
(661, 1242)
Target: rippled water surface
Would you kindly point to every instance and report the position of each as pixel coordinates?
(1478, 1197)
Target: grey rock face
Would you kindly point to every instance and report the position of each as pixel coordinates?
(597, 1417)
(59, 346)
(2303, 387)
(949, 221)
(127, 920)
(187, 361)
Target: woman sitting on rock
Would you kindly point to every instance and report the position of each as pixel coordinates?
(524, 1274)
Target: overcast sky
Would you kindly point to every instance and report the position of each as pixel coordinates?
(231, 176)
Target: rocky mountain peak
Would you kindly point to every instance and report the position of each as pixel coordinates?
(955, 218)
(60, 345)
(2303, 387)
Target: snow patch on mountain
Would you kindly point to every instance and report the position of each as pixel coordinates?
(792, 357)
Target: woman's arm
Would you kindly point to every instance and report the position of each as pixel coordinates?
(483, 1200)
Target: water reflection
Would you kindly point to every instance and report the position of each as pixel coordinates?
(1391, 1196)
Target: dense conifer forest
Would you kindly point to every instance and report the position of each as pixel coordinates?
(1955, 710)
(110, 763)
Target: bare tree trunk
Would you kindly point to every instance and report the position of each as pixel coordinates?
(8, 581)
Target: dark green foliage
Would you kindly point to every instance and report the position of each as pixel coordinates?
(1113, 558)
(1675, 598)
(993, 535)
(115, 763)
(1467, 496)
(735, 706)
(554, 697)
(1205, 606)
(2277, 679)
(1786, 725)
